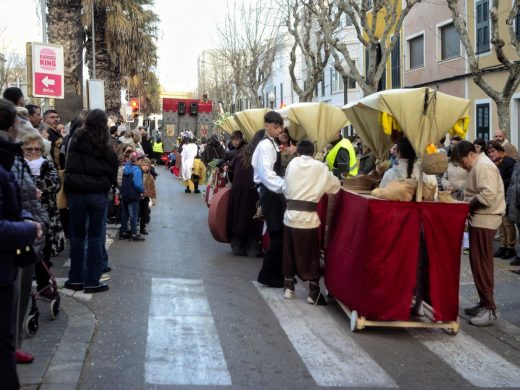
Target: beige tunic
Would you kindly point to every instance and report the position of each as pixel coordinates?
(484, 183)
(307, 179)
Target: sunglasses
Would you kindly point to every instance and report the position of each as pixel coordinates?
(32, 150)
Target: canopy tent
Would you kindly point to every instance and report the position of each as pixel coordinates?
(250, 121)
(229, 125)
(421, 114)
(316, 122)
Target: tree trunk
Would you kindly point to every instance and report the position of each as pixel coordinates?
(64, 28)
(105, 69)
(504, 118)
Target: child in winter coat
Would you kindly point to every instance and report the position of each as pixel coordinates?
(149, 194)
(131, 190)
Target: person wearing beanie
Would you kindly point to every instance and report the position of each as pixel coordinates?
(131, 190)
(148, 195)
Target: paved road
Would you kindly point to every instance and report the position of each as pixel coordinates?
(183, 313)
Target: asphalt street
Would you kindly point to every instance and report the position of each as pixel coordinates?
(183, 313)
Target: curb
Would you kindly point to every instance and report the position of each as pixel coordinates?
(65, 366)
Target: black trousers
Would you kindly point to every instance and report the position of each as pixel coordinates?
(8, 375)
(273, 207)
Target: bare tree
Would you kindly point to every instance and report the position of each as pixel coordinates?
(248, 42)
(375, 23)
(309, 41)
(219, 81)
(501, 98)
(12, 69)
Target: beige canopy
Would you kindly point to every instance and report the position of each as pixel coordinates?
(229, 125)
(422, 114)
(250, 121)
(316, 122)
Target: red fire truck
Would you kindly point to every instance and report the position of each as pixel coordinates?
(185, 114)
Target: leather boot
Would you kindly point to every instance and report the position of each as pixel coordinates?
(509, 253)
(500, 252)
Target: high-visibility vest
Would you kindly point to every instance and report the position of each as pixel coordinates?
(331, 156)
(157, 147)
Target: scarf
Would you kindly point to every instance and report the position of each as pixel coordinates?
(35, 166)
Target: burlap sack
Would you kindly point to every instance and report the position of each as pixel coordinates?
(399, 190)
(445, 196)
(428, 191)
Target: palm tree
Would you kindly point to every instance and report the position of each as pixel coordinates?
(65, 28)
(125, 34)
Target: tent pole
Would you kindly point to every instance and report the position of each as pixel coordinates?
(418, 195)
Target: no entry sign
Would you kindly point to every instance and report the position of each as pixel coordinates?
(46, 71)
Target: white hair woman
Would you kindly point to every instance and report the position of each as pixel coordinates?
(47, 180)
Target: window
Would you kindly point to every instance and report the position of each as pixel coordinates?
(450, 42)
(482, 26)
(416, 46)
(396, 64)
(323, 84)
(336, 81)
(483, 121)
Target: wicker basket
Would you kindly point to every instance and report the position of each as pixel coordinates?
(358, 183)
(435, 164)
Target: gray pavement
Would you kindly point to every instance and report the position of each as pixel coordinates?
(61, 347)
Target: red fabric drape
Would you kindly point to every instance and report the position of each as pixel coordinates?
(372, 256)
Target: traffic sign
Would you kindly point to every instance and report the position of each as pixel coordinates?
(45, 70)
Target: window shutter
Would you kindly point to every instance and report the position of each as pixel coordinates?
(482, 26)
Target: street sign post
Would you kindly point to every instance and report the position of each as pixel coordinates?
(45, 70)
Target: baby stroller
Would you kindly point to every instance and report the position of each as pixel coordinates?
(48, 294)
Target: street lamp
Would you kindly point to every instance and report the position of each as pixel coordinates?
(271, 98)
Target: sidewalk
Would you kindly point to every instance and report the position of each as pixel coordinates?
(60, 346)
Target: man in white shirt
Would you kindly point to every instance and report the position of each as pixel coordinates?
(267, 165)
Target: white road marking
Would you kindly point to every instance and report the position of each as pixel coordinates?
(475, 362)
(183, 347)
(334, 359)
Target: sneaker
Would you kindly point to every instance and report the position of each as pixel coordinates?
(315, 296)
(22, 357)
(288, 288)
(473, 311)
(104, 277)
(516, 261)
(484, 317)
(500, 252)
(136, 237)
(466, 251)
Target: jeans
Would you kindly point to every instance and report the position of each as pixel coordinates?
(130, 209)
(87, 218)
(104, 253)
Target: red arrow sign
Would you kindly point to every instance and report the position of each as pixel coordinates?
(47, 84)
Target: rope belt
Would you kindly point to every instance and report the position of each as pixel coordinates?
(301, 205)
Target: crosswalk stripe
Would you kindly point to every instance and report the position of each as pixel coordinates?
(475, 362)
(334, 360)
(183, 347)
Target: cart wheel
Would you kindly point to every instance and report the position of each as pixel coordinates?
(353, 320)
(55, 307)
(31, 324)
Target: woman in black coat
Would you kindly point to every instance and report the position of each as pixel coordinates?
(90, 172)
